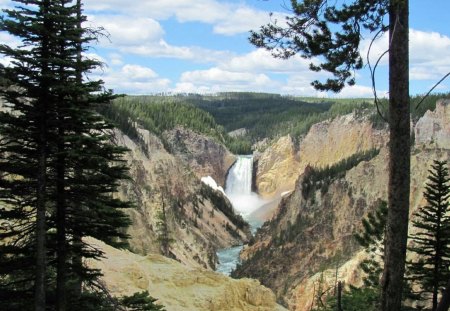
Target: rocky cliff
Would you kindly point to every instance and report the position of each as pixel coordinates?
(172, 204)
(203, 155)
(277, 168)
(433, 129)
(313, 228)
(326, 143)
(177, 287)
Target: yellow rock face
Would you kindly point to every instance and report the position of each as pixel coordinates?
(177, 287)
(331, 141)
(277, 168)
(326, 143)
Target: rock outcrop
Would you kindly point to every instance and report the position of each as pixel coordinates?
(203, 155)
(326, 143)
(277, 168)
(314, 225)
(433, 129)
(177, 287)
(197, 226)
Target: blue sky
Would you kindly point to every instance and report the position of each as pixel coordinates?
(201, 46)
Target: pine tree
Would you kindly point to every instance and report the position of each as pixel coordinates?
(372, 239)
(431, 243)
(58, 168)
(25, 131)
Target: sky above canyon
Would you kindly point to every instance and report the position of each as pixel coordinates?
(201, 46)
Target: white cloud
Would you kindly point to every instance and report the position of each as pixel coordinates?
(115, 59)
(124, 30)
(243, 19)
(162, 49)
(138, 73)
(9, 40)
(262, 61)
(217, 80)
(429, 54)
(144, 36)
(215, 75)
(226, 18)
(360, 91)
(133, 79)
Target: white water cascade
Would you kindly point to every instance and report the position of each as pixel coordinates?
(238, 189)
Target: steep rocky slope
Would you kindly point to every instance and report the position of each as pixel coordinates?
(326, 143)
(178, 287)
(314, 226)
(168, 194)
(277, 168)
(203, 155)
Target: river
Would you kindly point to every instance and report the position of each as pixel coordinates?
(238, 189)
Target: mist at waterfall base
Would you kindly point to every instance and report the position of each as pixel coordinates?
(238, 189)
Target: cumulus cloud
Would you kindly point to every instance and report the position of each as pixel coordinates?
(227, 18)
(429, 57)
(138, 73)
(145, 37)
(133, 79)
(163, 49)
(217, 80)
(262, 61)
(124, 31)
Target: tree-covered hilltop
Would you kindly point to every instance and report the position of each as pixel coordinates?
(160, 113)
(262, 115)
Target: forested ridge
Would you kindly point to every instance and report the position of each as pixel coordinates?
(262, 115)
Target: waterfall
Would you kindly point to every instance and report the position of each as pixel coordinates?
(238, 189)
(239, 180)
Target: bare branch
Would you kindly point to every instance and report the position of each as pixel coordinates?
(439, 82)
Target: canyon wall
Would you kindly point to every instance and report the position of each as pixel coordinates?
(326, 143)
(312, 231)
(167, 192)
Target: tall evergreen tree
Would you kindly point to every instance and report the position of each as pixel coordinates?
(58, 168)
(25, 130)
(431, 243)
(310, 31)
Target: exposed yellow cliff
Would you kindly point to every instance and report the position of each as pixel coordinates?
(326, 143)
(277, 168)
(314, 225)
(178, 287)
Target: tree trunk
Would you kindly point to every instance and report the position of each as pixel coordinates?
(39, 302)
(399, 160)
(41, 191)
(61, 249)
(339, 296)
(77, 239)
(444, 304)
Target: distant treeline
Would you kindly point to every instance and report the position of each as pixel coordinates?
(263, 115)
(272, 115)
(418, 105)
(158, 114)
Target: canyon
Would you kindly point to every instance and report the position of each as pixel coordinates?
(312, 231)
(307, 236)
